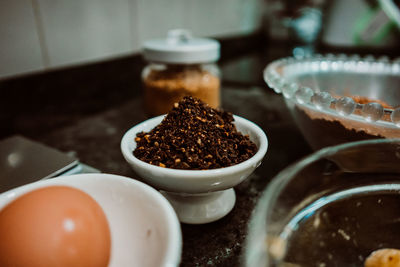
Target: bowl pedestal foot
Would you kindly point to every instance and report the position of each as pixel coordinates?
(201, 208)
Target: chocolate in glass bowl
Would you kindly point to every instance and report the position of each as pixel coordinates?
(338, 99)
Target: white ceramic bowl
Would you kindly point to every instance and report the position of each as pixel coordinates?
(132, 208)
(184, 184)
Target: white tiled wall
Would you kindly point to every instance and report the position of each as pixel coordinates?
(77, 31)
(222, 17)
(19, 41)
(43, 34)
(155, 17)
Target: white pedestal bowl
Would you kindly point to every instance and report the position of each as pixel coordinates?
(198, 196)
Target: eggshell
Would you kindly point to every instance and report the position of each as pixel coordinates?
(54, 226)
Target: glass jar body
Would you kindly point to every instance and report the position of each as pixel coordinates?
(166, 84)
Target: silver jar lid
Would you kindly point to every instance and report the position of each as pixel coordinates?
(180, 47)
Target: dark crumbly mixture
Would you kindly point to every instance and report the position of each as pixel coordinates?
(194, 136)
(329, 132)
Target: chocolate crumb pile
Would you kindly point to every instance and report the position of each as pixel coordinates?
(194, 136)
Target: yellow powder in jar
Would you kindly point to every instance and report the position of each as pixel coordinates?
(165, 87)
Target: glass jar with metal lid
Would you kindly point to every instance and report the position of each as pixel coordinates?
(180, 65)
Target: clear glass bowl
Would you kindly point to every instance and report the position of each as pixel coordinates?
(333, 208)
(338, 99)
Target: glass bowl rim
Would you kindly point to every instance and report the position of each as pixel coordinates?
(304, 95)
(278, 182)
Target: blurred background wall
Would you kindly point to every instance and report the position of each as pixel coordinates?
(37, 35)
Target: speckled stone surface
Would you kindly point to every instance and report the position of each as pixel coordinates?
(90, 123)
(95, 141)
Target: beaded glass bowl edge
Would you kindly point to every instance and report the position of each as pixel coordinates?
(324, 101)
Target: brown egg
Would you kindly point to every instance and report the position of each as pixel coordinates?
(386, 257)
(54, 226)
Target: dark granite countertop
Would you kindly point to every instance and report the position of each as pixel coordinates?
(86, 111)
(96, 139)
